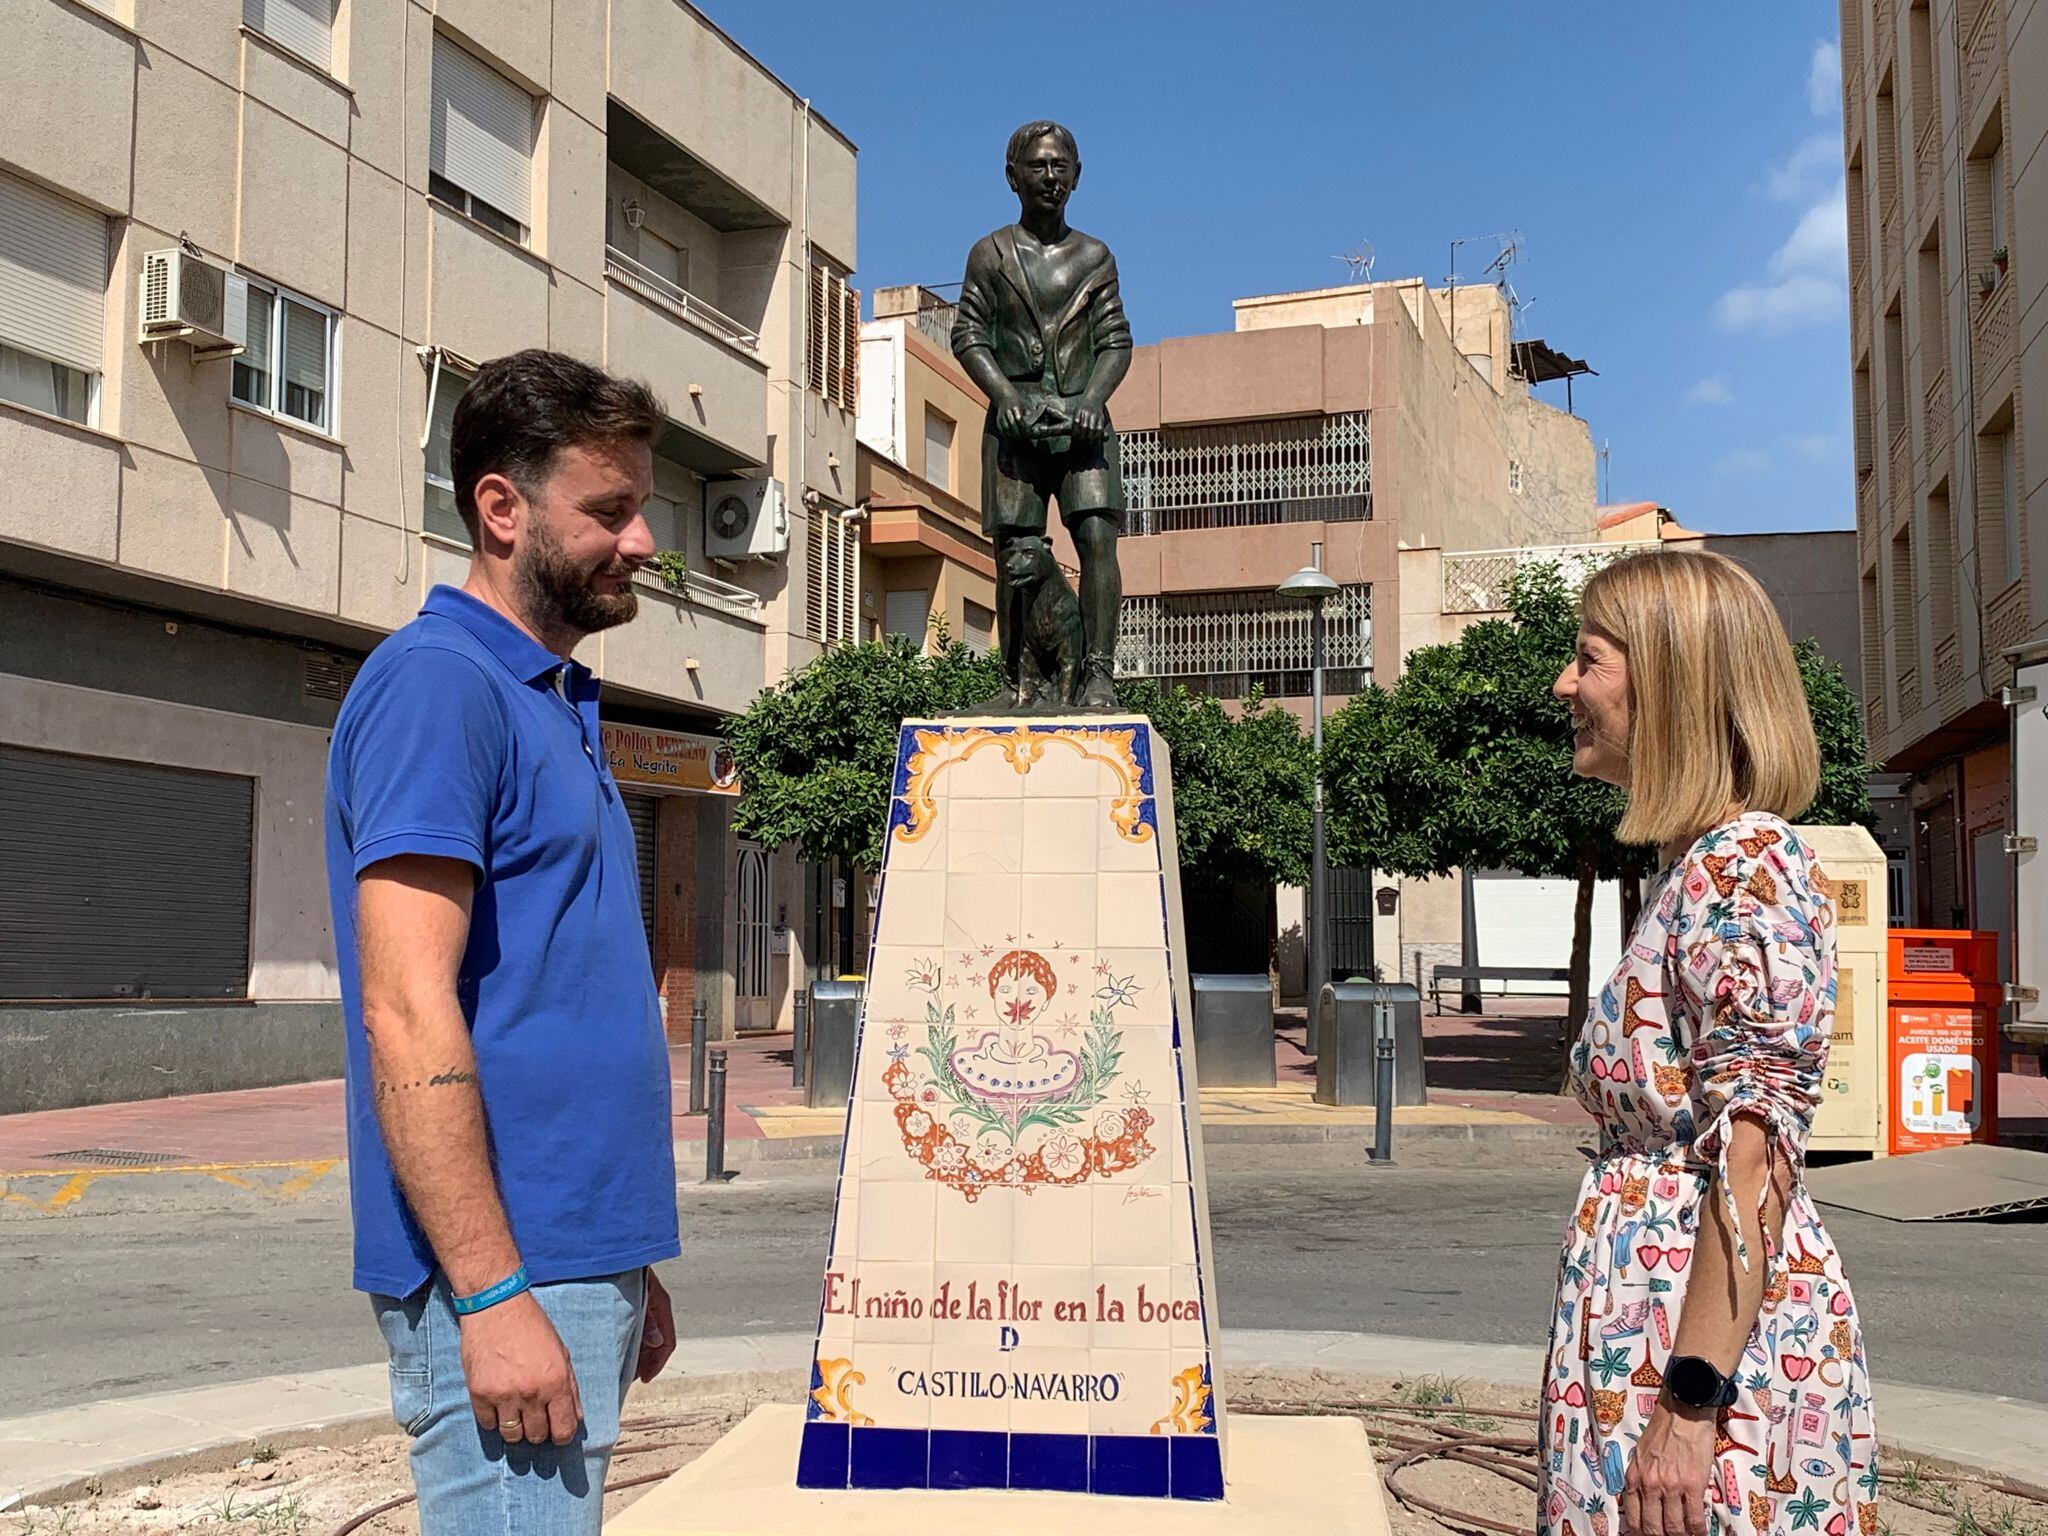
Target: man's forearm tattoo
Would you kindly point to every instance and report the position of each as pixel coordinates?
(438, 1080)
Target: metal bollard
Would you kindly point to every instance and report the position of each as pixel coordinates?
(714, 1127)
(1383, 1083)
(697, 1032)
(799, 1039)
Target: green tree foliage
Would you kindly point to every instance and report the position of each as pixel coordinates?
(815, 754)
(1467, 760)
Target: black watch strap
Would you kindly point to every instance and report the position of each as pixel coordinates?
(1698, 1383)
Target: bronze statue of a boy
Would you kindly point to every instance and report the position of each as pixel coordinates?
(1041, 329)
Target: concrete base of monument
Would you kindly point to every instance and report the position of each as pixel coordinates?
(746, 1486)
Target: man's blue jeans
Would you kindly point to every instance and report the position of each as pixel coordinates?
(470, 1482)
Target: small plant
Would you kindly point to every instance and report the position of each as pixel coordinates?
(941, 632)
(673, 567)
(1436, 1392)
(265, 1452)
(2001, 256)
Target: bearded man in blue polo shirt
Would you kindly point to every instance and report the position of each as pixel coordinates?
(510, 1161)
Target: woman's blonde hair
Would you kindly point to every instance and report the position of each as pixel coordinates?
(1718, 715)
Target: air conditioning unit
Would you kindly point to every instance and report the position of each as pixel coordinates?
(188, 298)
(745, 519)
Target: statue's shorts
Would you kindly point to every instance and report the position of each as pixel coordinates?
(1018, 479)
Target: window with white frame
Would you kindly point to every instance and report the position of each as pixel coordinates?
(53, 297)
(305, 27)
(287, 364)
(938, 450)
(1515, 476)
(832, 355)
(447, 384)
(480, 144)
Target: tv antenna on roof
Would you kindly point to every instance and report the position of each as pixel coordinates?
(1359, 259)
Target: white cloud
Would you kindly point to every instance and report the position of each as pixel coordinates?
(1816, 162)
(1815, 447)
(1712, 390)
(1824, 80)
(1806, 274)
(1743, 461)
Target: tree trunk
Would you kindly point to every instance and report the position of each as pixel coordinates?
(1580, 990)
(1631, 904)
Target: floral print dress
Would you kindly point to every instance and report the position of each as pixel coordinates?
(1720, 1007)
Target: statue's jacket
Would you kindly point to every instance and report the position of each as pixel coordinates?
(1057, 352)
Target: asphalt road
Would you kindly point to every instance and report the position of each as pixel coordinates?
(189, 1292)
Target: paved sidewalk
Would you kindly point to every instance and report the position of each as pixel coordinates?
(49, 1452)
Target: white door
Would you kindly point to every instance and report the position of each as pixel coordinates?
(754, 904)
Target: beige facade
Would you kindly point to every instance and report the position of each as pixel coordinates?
(1945, 122)
(927, 567)
(408, 192)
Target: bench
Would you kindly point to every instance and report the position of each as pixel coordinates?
(1506, 975)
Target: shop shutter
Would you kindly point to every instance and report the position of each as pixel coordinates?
(53, 276)
(640, 810)
(122, 880)
(304, 26)
(482, 134)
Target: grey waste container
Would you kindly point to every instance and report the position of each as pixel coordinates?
(828, 1052)
(1234, 1031)
(1344, 1067)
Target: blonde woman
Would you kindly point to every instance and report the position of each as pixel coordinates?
(1706, 1370)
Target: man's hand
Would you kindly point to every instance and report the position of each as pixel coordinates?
(1665, 1491)
(1089, 422)
(1012, 416)
(518, 1373)
(657, 1333)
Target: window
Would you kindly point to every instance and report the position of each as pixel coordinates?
(305, 27)
(289, 359)
(53, 294)
(1995, 195)
(908, 614)
(439, 515)
(2006, 467)
(1226, 643)
(938, 450)
(831, 577)
(980, 624)
(480, 150)
(665, 259)
(1515, 476)
(832, 357)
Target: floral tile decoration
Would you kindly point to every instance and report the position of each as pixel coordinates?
(1018, 1291)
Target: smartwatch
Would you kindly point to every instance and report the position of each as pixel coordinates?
(1697, 1384)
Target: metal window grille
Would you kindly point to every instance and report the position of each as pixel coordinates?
(1226, 643)
(1243, 473)
(1478, 581)
(755, 893)
(832, 577)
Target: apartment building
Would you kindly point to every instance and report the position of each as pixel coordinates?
(1947, 193)
(930, 570)
(239, 298)
(1371, 419)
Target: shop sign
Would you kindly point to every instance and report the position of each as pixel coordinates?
(675, 760)
(1943, 1066)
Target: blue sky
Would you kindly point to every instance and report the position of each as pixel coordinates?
(1674, 174)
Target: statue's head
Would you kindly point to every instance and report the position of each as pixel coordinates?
(1043, 165)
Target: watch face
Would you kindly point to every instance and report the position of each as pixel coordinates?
(1694, 1382)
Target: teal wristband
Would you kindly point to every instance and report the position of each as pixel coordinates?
(491, 1295)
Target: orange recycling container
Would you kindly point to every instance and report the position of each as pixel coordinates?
(1942, 1005)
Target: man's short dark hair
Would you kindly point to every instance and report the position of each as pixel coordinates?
(1030, 134)
(524, 408)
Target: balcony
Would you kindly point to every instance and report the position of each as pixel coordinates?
(680, 302)
(1891, 238)
(1225, 644)
(1898, 490)
(1981, 61)
(1249, 473)
(1927, 170)
(1479, 580)
(1991, 330)
(1935, 423)
(716, 387)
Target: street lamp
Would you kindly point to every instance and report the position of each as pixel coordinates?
(1311, 586)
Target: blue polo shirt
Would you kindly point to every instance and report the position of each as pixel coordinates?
(463, 737)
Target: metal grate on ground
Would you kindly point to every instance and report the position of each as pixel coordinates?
(120, 1157)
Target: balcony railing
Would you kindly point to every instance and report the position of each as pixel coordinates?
(723, 594)
(1936, 421)
(1480, 580)
(1926, 168)
(1246, 473)
(1226, 643)
(1898, 490)
(936, 321)
(1991, 330)
(1980, 59)
(678, 301)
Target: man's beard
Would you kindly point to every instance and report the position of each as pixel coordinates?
(557, 593)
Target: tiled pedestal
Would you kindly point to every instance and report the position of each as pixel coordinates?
(1018, 1293)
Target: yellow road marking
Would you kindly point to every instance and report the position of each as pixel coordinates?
(306, 1173)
